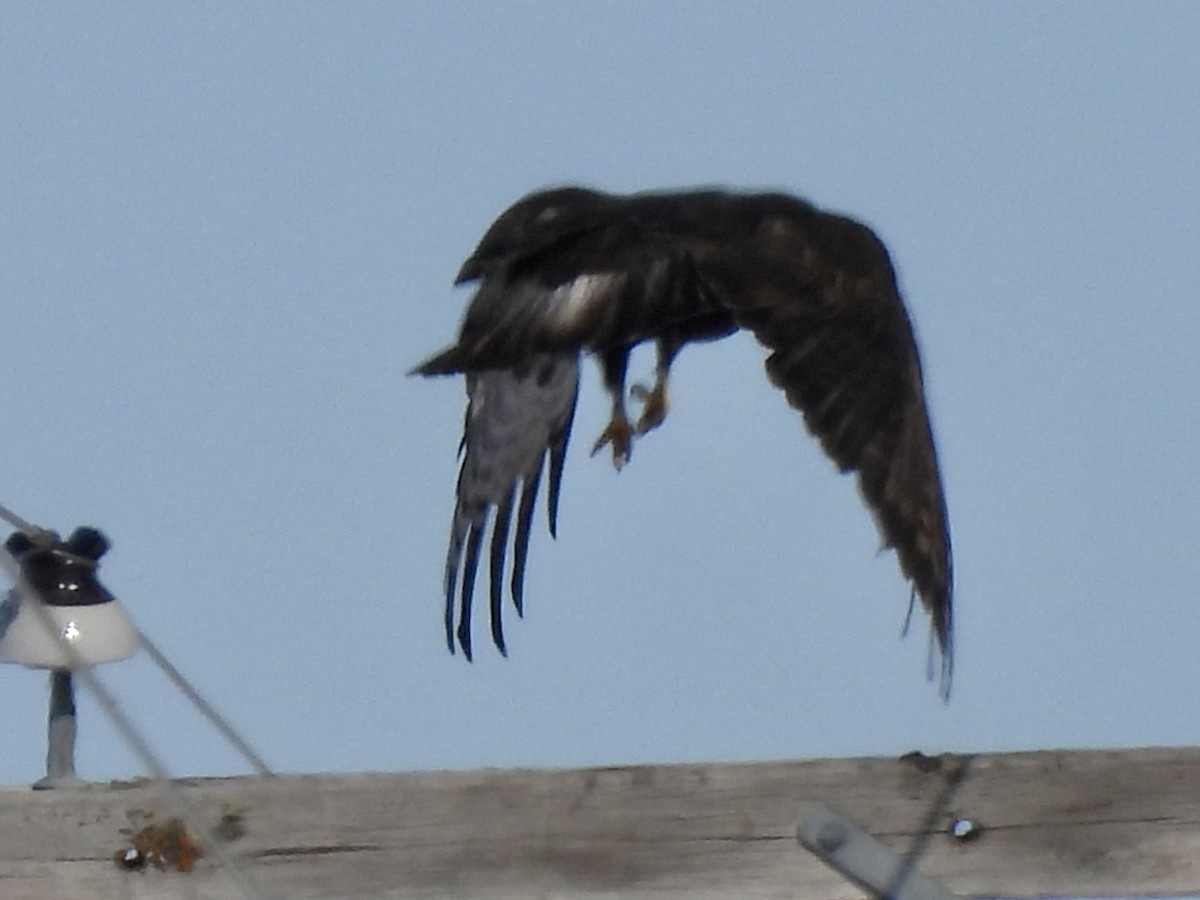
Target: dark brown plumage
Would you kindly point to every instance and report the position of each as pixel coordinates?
(572, 270)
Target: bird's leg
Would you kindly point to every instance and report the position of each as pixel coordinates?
(654, 399)
(618, 432)
(654, 403)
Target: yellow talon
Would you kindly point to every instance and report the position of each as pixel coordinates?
(654, 406)
(620, 435)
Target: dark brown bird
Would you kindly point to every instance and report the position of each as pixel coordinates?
(572, 270)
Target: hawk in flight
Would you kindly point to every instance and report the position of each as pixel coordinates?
(570, 270)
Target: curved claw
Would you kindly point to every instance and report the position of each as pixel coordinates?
(654, 406)
(620, 435)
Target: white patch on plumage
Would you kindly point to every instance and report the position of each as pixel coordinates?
(571, 302)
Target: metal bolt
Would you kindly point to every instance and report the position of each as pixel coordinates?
(130, 858)
(964, 829)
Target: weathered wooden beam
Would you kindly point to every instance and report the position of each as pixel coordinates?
(1047, 823)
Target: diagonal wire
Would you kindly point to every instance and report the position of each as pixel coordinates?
(39, 536)
(928, 827)
(203, 706)
(42, 537)
(228, 864)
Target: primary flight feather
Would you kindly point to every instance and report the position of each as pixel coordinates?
(571, 270)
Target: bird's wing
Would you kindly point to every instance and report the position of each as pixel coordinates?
(570, 269)
(819, 291)
(559, 271)
(516, 418)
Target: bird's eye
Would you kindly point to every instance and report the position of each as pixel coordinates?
(549, 214)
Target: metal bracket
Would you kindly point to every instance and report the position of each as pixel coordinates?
(858, 857)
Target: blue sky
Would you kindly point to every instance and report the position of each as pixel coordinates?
(228, 231)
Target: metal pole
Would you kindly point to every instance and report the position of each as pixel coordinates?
(60, 754)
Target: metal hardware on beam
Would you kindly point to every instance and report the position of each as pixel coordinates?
(860, 858)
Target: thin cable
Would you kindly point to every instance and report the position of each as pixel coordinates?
(227, 863)
(204, 707)
(43, 537)
(33, 532)
(928, 826)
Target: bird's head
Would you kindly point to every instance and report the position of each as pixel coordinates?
(533, 224)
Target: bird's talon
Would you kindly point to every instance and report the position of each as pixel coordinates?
(654, 406)
(620, 435)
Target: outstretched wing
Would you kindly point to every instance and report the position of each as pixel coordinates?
(570, 269)
(818, 290)
(559, 271)
(516, 419)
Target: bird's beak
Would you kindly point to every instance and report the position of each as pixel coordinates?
(470, 271)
